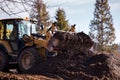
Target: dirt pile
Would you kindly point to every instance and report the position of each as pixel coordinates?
(80, 63)
(76, 65)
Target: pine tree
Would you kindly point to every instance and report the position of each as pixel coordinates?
(40, 13)
(61, 20)
(101, 27)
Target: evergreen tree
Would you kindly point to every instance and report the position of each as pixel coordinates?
(61, 20)
(101, 27)
(40, 13)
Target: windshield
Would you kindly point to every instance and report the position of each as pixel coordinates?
(26, 27)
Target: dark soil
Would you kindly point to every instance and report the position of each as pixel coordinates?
(82, 65)
(77, 64)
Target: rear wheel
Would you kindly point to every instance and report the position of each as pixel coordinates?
(4, 64)
(28, 59)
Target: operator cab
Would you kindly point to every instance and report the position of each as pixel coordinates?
(13, 30)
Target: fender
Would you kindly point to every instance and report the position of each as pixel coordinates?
(2, 47)
(5, 45)
(43, 55)
(23, 49)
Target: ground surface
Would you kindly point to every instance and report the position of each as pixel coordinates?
(11, 76)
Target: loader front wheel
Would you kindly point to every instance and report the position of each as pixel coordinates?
(28, 59)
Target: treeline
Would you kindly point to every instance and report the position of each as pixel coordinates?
(40, 13)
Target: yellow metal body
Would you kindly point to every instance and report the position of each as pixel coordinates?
(40, 43)
(41, 47)
(6, 45)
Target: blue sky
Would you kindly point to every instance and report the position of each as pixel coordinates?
(80, 12)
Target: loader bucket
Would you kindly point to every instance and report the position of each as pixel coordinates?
(67, 40)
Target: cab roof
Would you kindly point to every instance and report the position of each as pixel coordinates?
(8, 19)
(11, 19)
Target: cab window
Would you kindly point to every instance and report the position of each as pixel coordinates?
(26, 27)
(9, 31)
(23, 29)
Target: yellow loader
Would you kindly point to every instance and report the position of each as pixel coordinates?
(21, 45)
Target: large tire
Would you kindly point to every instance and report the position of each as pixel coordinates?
(28, 60)
(4, 63)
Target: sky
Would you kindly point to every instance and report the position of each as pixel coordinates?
(80, 12)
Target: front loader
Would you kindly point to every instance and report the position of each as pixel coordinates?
(21, 45)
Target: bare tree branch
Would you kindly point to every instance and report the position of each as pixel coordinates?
(4, 10)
